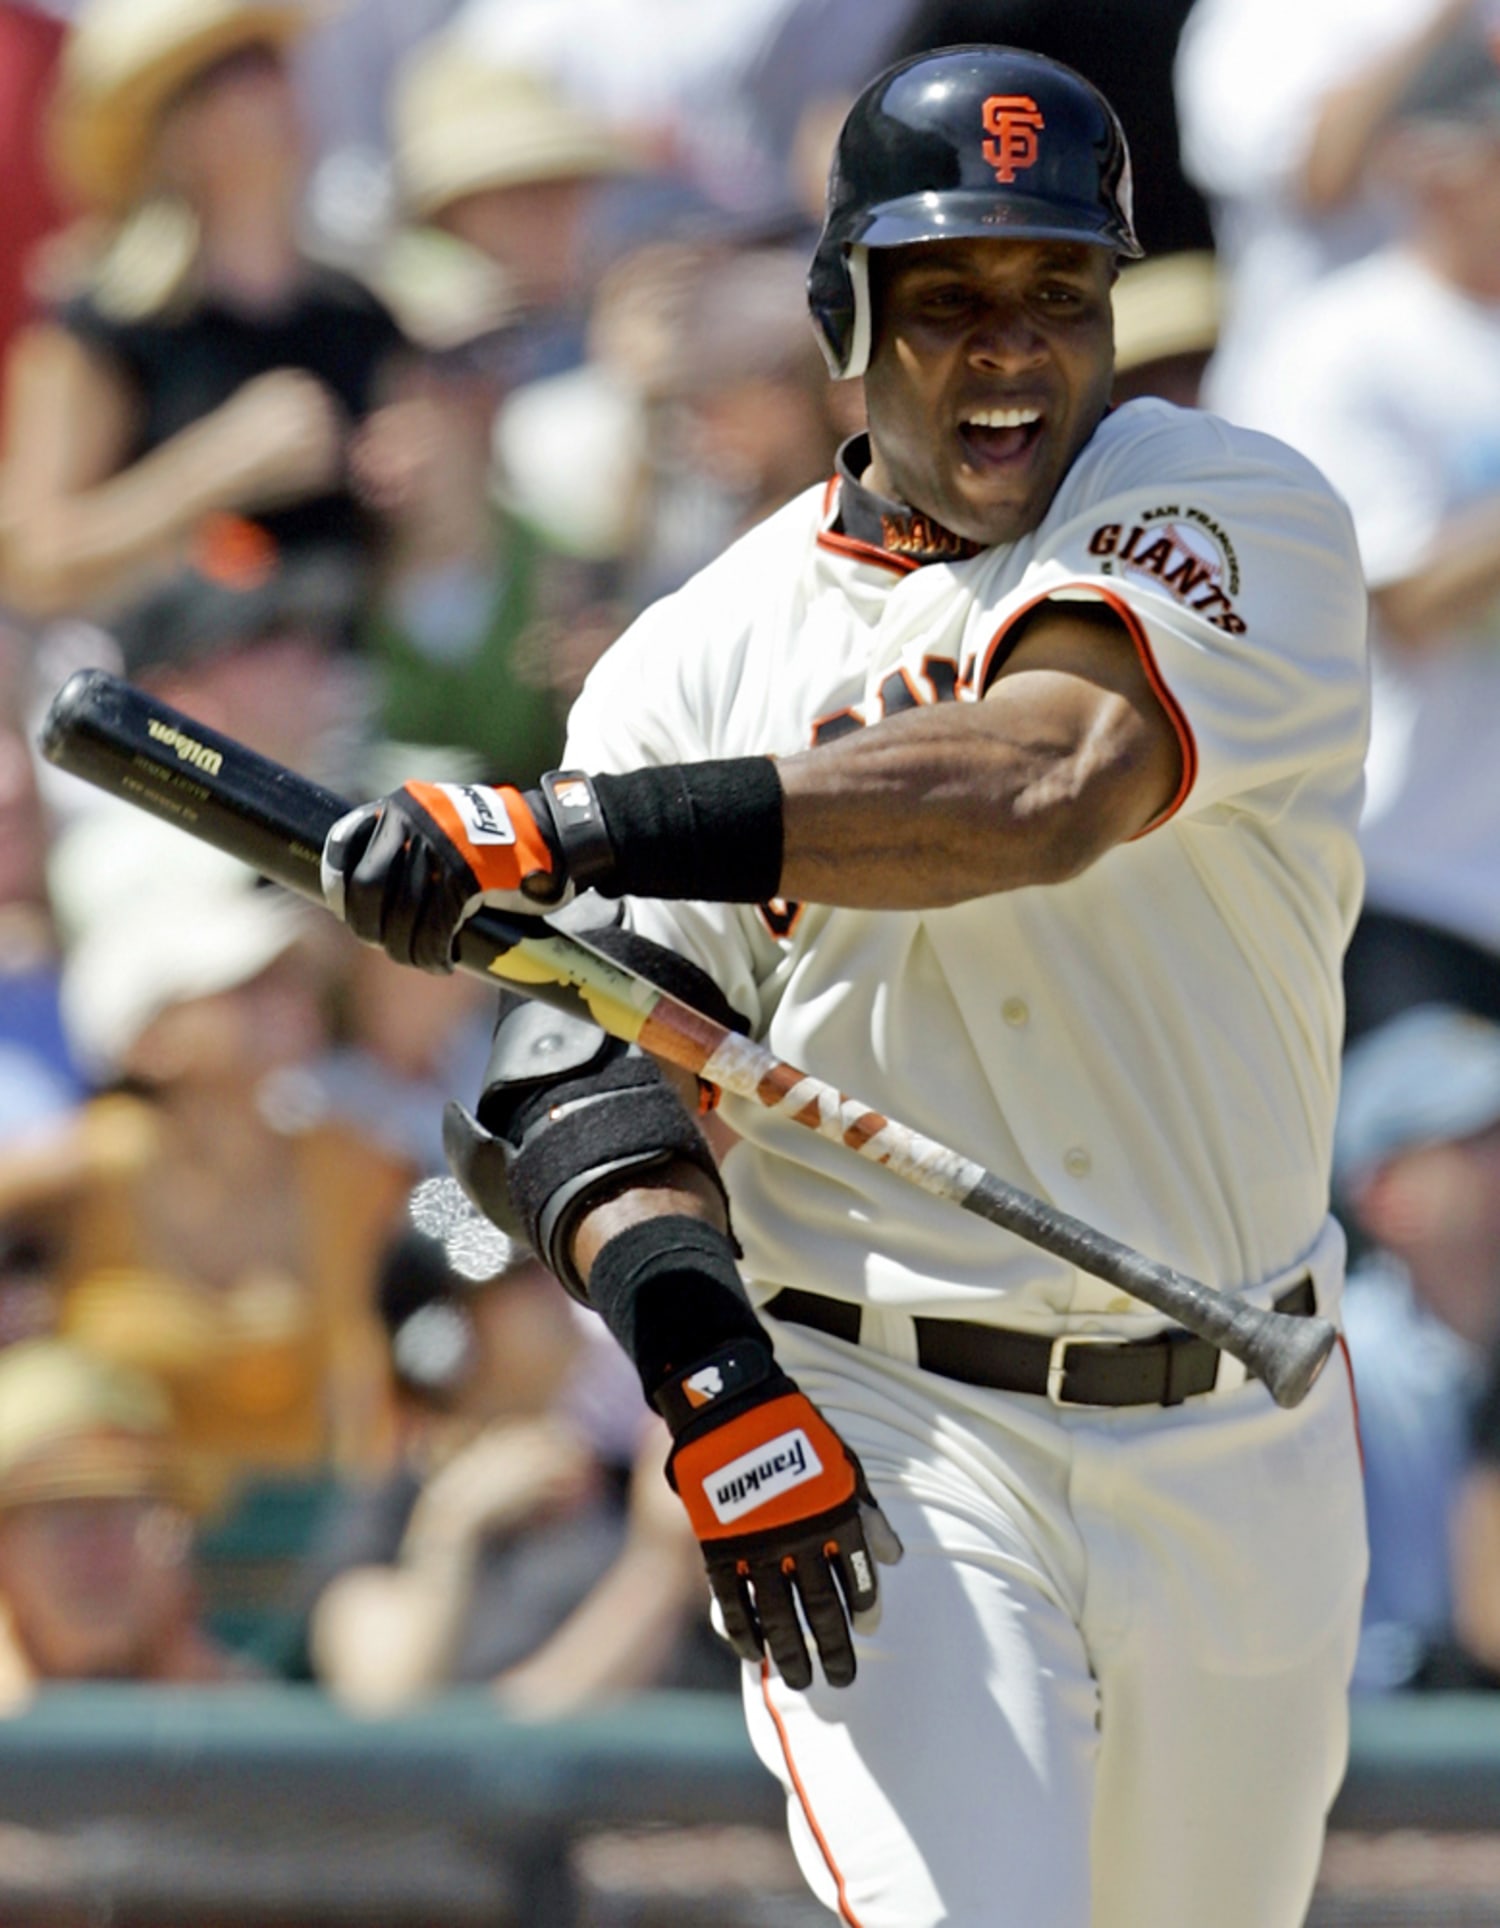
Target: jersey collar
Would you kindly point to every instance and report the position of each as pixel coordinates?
(877, 522)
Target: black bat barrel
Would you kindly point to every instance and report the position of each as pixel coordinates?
(129, 743)
(142, 750)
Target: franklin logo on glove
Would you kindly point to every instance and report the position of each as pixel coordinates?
(482, 812)
(750, 1481)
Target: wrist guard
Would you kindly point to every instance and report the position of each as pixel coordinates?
(705, 831)
(669, 1290)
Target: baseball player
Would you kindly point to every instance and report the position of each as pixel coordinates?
(1010, 782)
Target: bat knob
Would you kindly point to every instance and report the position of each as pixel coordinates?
(1291, 1352)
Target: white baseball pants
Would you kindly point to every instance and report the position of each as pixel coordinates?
(1107, 1685)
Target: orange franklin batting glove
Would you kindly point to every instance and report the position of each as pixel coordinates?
(406, 871)
(781, 1508)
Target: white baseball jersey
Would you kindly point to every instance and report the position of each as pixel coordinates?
(1188, 1111)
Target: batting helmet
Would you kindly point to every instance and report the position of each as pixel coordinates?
(977, 140)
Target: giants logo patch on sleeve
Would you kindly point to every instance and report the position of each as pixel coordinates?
(481, 812)
(1186, 551)
(764, 1474)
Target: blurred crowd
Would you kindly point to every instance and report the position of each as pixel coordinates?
(364, 370)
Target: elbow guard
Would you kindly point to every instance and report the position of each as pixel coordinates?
(568, 1115)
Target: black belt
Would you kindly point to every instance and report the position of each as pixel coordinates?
(1069, 1370)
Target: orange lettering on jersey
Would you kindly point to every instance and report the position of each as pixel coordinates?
(898, 692)
(919, 535)
(1012, 122)
(828, 729)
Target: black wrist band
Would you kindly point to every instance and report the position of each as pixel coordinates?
(669, 1290)
(705, 831)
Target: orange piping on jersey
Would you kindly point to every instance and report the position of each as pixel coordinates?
(818, 732)
(846, 1912)
(1136, 631)
(866, 552)
(1359, 1438)
(851, 546)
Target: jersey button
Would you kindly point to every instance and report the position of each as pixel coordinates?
(1076, 1162)
(1016, 1012)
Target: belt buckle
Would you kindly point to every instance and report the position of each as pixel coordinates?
(1057, 1363)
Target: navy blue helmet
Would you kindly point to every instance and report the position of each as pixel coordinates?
(977, 140)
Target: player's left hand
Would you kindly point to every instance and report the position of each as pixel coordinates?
(789, 1528)
(406, 871)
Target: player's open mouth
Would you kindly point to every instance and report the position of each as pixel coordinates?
(996, 437)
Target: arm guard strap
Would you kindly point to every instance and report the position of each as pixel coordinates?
(568, 1116)
(670, 1292)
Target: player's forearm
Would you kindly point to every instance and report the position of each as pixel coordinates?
(679, 1191)
(947, 804)
(1069, 752)
(930, 808)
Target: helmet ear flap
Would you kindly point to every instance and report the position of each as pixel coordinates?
(840, 299)
(862, 335)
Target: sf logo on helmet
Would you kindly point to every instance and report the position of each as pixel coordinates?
(1012, 121)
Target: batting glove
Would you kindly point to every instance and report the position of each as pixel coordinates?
(789, 1528)
(406, 871)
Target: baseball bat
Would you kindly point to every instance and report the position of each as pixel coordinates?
(128, 743)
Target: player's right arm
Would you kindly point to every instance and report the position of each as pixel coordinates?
(581, 1148)
(1070, 752)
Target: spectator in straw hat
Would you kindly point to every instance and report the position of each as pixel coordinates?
(95, 1537)
(198, 361)
(497, 157)
(496, 180)
(1166, 326)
